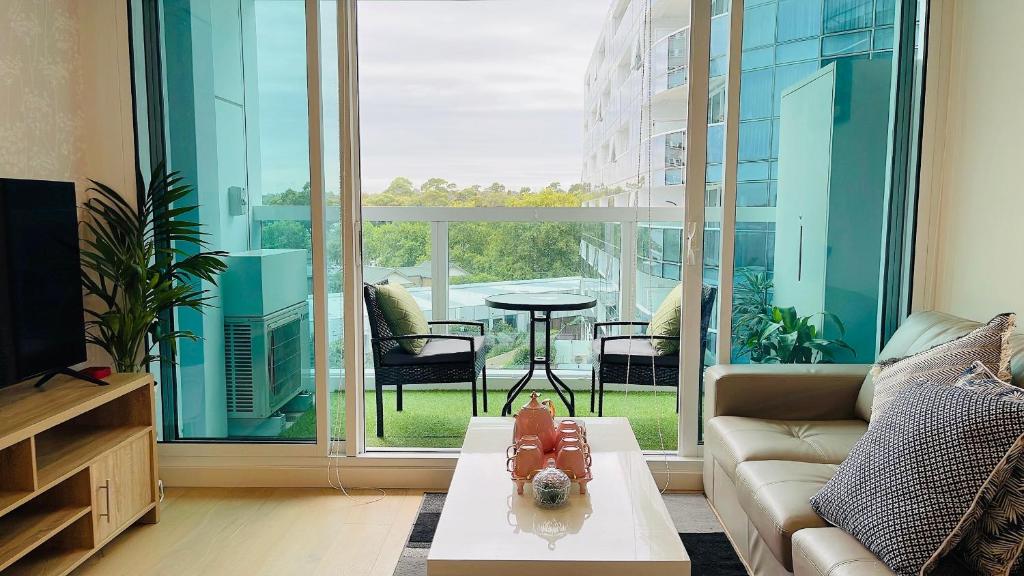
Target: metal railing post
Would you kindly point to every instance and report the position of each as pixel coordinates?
(627, 271)
(439, 270)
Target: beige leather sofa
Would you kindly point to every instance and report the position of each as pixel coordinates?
(776, 434)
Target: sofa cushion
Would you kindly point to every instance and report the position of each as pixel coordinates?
(832, 552)
(637, 350)
(924, 330)
(944, 363)
(776, 495)
(736, 439)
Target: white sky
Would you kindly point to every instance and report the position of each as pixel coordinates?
(472, 91)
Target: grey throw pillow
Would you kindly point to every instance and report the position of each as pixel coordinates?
(909, 489)
(945, 363)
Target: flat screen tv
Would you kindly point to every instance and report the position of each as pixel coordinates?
(42, 329)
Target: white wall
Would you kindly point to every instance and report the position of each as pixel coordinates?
(976, 241)
(65, 94)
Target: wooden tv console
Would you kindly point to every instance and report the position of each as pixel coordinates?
(77, 467)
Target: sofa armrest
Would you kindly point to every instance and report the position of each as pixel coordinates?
(784, 391)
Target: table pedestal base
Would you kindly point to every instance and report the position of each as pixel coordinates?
(543, 320)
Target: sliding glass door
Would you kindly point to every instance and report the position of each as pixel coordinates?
(725, 163)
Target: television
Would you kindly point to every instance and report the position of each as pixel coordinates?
(42, 317)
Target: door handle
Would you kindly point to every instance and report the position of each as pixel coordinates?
(106, 491)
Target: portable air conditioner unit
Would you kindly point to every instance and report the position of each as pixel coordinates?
(266, 331)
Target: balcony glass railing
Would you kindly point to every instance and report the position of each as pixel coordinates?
(452, 259)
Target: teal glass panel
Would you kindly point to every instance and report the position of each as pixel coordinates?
(755, 140)
(759, 26)
(849, 43)
(747, 171)
(798, 19)
(797, 51)
(885, 12)
(755, 94)
(757, 58)
(883, 39)
(843, 15)
(752, 194)
(716, 141)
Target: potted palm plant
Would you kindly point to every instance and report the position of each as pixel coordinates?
(141, 263)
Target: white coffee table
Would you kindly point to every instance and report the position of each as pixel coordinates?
(620, 527)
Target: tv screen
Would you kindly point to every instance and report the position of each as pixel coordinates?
(41, 309)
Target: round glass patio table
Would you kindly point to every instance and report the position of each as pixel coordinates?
(540, 306)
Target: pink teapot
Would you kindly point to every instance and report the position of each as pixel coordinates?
(537, 418)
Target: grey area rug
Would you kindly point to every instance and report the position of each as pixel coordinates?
(711, 553)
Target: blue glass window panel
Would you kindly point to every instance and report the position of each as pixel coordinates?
(774, 172)
(843, 15)
(671, 271)
(755, 140)
(796, 51)
(719, 66)
(883, 39)
(883, 55)
(885, 12)
(849, 43)
(759, 26)
(714, 173)
(673, 176)
(758, 58)
(752, 194)
(798, 19)
(720, 36)
(716, 142)
(747, 171)
(756, 94)
(773, 193)
(789, 74)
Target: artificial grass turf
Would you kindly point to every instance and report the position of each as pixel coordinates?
(438, 418)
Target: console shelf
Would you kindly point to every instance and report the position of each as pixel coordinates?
(79, 466)
(61, 454)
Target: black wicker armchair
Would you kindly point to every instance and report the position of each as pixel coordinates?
(633, 360)
(446, 358)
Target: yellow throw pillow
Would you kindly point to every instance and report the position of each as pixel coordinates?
(665, 322)
(403, 315)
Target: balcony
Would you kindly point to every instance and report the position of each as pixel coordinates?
(608, 252)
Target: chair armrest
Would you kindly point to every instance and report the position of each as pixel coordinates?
(602, 324)
(479, 325)
(784, 391)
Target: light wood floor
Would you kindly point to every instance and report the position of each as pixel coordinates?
(257, 531)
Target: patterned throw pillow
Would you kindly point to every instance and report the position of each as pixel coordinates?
(403, 315)
(992, 542)
(944, 363)
(665, 322)
(908, 490)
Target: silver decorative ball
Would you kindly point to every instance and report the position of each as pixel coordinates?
(551, 488)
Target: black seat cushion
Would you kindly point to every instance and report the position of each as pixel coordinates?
(633, 351)
(437, 351)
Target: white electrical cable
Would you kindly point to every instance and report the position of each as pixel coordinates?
(335, 455)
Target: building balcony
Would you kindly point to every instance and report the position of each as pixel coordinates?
(606, 252)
